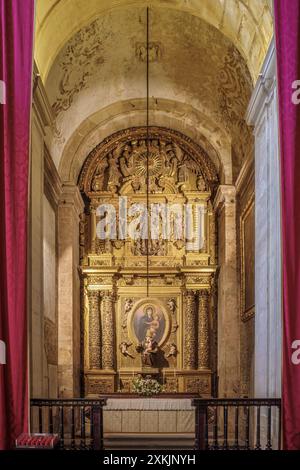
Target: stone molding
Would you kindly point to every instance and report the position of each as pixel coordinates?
(52, 181)
(71, 197)
(226, 195)
(40, 101)
(264, 88)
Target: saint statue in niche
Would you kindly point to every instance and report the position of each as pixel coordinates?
(148, 348)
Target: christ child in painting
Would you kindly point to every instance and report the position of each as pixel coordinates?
(154, 325)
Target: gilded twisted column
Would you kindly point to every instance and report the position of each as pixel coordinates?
(190, 331)
(107, 323)
(203, 329)
(94, 330)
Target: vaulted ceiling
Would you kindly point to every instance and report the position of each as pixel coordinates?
(247, 23)
(204, 58)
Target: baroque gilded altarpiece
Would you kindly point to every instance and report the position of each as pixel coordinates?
(181, 276)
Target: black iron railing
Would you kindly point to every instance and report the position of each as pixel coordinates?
(78, 422)
(237, 424)
(220, 424)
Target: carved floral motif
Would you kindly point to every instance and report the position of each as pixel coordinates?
(108, 330)
(203, 329)
(94, 330)
(197, 385)
(190, 341)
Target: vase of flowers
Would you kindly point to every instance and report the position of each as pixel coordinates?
(146, 386)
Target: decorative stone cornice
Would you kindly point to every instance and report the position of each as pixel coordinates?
(71, 197)
(41, 104)
(226, 194)
(264, 87)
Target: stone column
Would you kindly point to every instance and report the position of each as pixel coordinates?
(190, 351)
(69, 209)
(203, 329)
(228, 309)
(107, 328)
(263, 115)
(94, 330)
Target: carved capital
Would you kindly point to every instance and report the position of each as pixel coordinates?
(226, 196)
(71, 198)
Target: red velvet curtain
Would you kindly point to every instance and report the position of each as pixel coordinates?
(287, 32)
(16, 36)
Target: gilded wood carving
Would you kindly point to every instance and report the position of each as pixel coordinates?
(120, 321)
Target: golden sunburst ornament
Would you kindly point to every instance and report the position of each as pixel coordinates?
(155, 164)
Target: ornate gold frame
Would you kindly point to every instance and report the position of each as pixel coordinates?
(248, 313)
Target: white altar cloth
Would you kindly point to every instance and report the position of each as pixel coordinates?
(145, 404)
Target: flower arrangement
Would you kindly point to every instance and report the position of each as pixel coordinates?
(146, 386)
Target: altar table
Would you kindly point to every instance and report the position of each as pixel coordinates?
(149, 415)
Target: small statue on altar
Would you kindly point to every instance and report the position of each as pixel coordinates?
(148, 348)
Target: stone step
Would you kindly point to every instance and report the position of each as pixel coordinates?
(148, 441)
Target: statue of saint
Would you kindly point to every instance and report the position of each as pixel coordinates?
(148, 348)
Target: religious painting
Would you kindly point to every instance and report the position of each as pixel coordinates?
(149, 320)
(247, 261)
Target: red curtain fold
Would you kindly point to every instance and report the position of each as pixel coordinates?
(16, 36)
(287, 32)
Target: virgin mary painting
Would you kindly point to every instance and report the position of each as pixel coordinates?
(149, 322)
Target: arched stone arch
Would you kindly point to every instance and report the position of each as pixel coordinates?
(163, 113)
(171, 140)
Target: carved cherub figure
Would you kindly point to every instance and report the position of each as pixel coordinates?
(124, 349)
(173, 351)
(172, 305)
(128, 305)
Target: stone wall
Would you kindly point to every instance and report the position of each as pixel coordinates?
(262, 113)
(246, 274)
